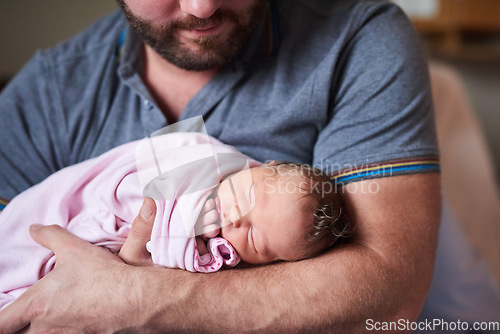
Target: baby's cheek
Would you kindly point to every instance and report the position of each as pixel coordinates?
(234, 239)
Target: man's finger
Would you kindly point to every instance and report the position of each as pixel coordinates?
(19, 314)
(53, 237)
(134, 250)
(13, 318)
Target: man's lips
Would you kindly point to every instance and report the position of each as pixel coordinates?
(206, 28)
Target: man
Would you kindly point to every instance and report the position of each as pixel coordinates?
(339, 84)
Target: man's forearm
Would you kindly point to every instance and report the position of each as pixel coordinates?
(382, 275)
(286, 296)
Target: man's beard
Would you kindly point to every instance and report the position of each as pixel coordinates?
(211, 52)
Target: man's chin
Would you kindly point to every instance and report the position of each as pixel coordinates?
(198, 60)
(197, 66)
(196, 55)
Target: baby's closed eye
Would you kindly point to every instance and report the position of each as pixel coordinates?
(251, 238)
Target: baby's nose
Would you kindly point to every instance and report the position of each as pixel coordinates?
(237, 223)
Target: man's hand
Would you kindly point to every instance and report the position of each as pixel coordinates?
(79, 293)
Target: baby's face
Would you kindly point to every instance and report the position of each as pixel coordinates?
(264, 215)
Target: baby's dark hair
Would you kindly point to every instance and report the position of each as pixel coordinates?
(331, 224)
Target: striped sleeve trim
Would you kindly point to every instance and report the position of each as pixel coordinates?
(387, 168)
(3, 203)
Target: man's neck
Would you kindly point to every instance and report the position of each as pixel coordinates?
(171, 86)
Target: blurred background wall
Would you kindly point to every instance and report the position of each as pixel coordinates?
(466, 35)
(28, 25)
(463, 33)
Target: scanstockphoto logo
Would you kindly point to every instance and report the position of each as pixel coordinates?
(343, 174)
(368, 187)
(180, 164)
(347, 176)
(430, 325)
(292, 178)
(171, 165)
(331, 170)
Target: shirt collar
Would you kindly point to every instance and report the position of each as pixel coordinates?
(264, 39)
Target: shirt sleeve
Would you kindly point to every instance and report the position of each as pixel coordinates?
(382, 119)
(29, 123)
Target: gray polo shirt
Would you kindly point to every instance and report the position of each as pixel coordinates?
(339, 84)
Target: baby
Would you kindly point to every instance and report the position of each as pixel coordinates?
(283, 211)
(261, 214)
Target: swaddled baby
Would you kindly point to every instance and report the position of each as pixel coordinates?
(259, 213)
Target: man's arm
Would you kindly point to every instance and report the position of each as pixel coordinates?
(382, 275)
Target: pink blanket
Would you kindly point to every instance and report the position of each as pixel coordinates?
(98, 199)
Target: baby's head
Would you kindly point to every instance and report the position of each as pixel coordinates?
(280, 211)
